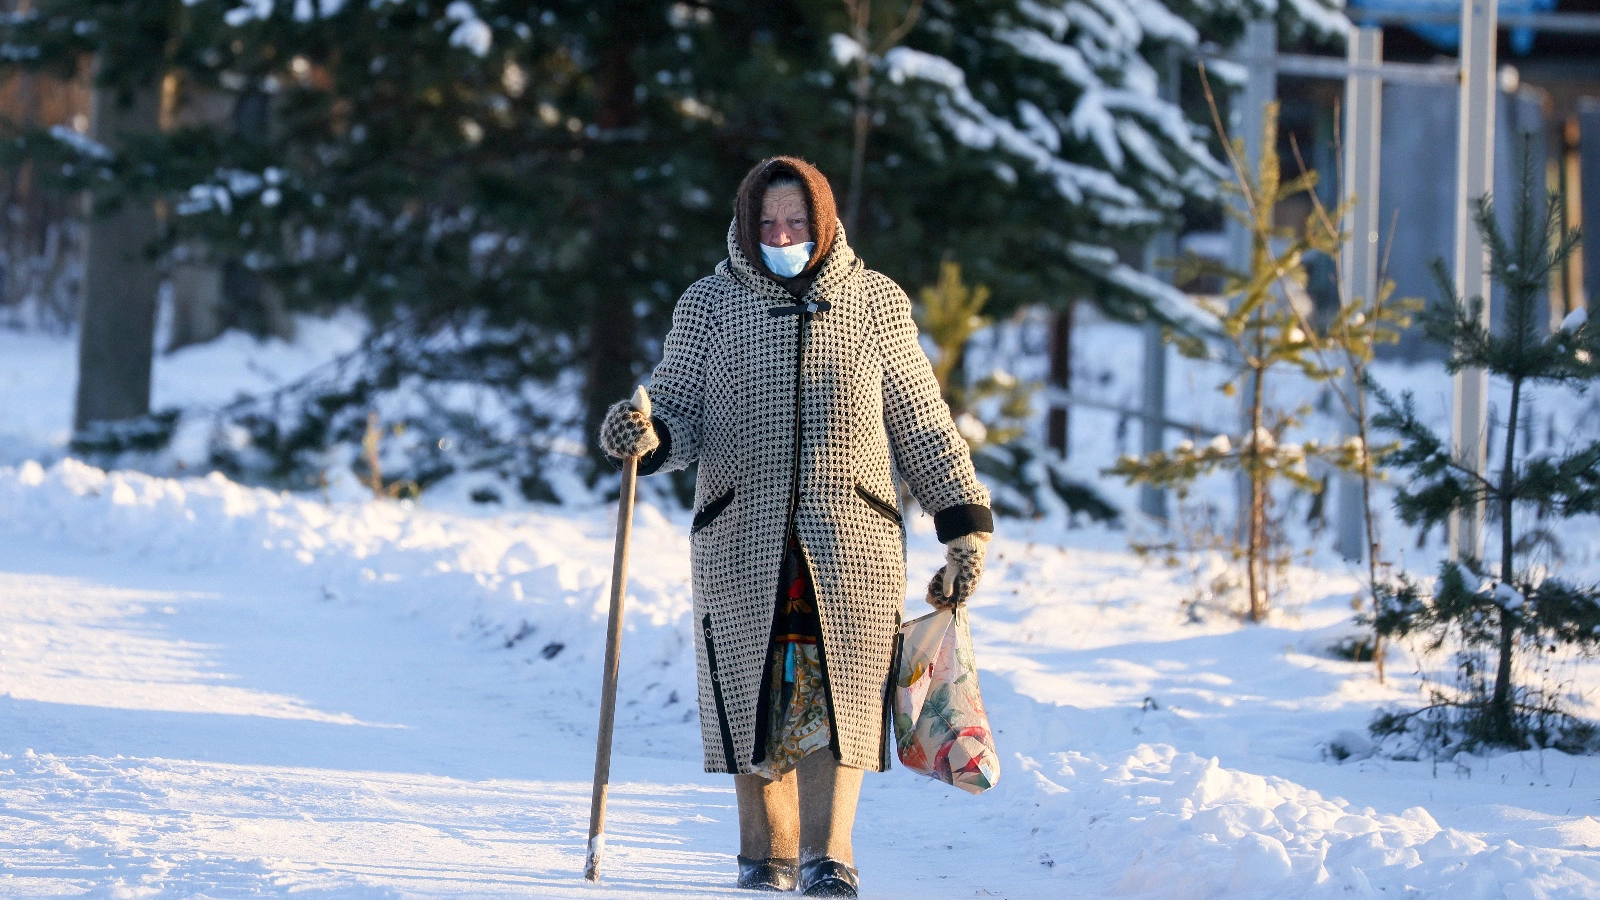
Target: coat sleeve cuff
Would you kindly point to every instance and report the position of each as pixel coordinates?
(655, 459)
(958, 521)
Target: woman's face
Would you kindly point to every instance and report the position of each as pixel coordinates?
(784, 220)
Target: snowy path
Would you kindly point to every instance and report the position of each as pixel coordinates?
(185, 735)
(206, 689)
(174, 735)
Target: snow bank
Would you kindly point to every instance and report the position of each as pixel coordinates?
(536, 583)
(1161, 823)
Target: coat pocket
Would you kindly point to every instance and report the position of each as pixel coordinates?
(886, 737)
(881, 507)
(716, 695)
(710, 512)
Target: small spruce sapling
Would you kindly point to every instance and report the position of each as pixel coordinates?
(992, 411)
(950, 313)
(1352, 335)
(1513, 604)
(1264, 336)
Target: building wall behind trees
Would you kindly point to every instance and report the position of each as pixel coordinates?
(1418, 185)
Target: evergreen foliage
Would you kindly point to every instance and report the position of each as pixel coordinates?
(1353, 335)
(992, 412)
(949, 314)
(466, 397)
(1263, 334)
(1028, 480)
(566, 165)
(1513, 607)
(1349, 333)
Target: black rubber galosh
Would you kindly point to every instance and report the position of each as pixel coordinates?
(828, 877)
(773, 874)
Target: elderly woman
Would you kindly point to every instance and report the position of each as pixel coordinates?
(794, 377)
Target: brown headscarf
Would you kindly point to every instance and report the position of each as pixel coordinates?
(819, 200)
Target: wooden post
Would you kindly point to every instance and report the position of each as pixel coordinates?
(1571, 177)
(1474, 178)
(608, 682)
(1363, 118)
(1588, 184)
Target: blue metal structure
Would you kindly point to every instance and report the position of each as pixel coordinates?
(1448, 37)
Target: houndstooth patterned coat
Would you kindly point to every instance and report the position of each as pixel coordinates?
(739, 350)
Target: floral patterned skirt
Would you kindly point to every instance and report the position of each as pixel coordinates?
(797, 721)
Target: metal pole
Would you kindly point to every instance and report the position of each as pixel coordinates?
(1332, 67)
(1260, 48)
(1153, 500)
(1552, 23)
(1589, 193)
(1363, 117)
(1164, 246)
(1260, 43)
(1474, 178)
(1193, 430)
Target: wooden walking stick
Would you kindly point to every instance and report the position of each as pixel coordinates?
(608, 688)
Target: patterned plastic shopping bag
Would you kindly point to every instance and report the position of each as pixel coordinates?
(940, 727)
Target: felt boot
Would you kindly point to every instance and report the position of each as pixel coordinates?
(769, 832)
(828, 795)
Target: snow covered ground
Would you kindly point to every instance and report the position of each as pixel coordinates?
(208, 689)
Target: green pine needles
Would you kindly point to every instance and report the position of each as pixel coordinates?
(950, 313)
(1512, 607)
(1263, 336)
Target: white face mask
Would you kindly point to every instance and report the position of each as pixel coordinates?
(787, 262)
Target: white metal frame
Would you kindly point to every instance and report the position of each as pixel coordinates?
(1363, 125)
(1469, 406)
(1364, 72)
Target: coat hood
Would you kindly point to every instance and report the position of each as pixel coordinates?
(820, 279)
(819, 200)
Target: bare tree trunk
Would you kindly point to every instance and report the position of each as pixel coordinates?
(861, 17)
(1255, 548)
(861, 31)
(1368, 520)
(858, 152)
(1058, 423)
(23, 238)
(117, 330)
(1500, 702)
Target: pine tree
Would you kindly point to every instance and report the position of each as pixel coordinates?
(1027, 141)
(1510, 605)
(1347, 337)
(1265, 335)
(461, 167)
(1352, 337)
(565, 166)
(990, 409)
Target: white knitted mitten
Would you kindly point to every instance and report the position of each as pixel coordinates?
(627, 431)
(957, 579)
